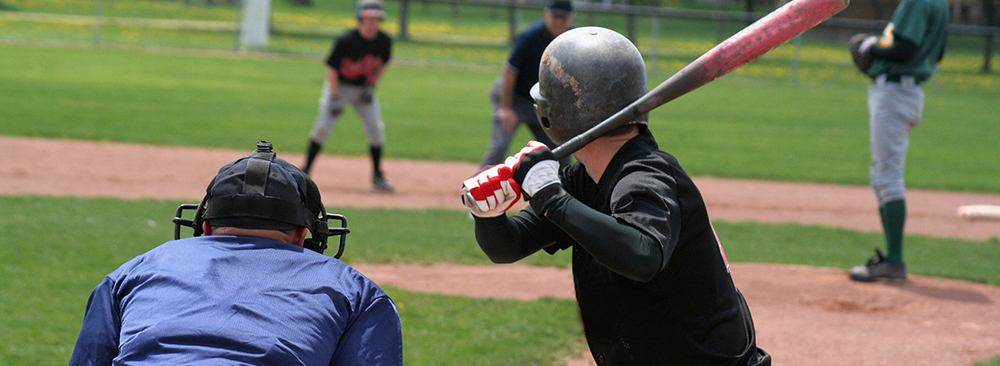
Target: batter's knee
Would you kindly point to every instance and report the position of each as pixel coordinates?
(320, 132)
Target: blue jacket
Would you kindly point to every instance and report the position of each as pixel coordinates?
(227, 300)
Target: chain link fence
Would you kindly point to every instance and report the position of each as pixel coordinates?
(472, 32)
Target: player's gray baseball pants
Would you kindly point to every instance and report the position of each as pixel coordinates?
(499, 139)
(330, 110)
(894, 109)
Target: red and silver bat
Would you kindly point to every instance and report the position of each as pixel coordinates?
(764, 35)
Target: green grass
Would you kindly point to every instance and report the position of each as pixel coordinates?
(450, 330)
(738, 127)
(993, 362)
(57, 249)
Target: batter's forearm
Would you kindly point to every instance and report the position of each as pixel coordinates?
(900, 50)
(618, 246)
(506, 239)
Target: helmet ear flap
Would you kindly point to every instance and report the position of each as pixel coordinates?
(542, 106)
(199, 216)
(321, 230)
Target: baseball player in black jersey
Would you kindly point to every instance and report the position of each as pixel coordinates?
(355, 65)
(652, 281)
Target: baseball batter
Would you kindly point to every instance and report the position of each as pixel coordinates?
(356, 63)
(652, 282)
(902, 58)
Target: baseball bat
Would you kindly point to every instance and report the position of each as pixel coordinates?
(764, 35)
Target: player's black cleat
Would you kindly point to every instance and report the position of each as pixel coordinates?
(878, 268)
(381, 184)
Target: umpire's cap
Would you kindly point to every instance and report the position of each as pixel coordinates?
(560, 7)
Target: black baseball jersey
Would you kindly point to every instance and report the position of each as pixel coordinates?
(652, 282)
(357, 59)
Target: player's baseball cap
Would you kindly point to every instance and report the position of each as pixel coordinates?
(370, 9)
(272, 196)
(560, 7)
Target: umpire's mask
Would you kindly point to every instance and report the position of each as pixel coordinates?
(262, 191)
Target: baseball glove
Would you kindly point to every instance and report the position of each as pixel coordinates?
(860, 52)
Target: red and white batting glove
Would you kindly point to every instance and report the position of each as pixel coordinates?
(491, 192)
(534, 167)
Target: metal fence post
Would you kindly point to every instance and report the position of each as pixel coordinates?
(404, 15)
(988, 52)
(512, 21)
(98, 10)
(630, 21)
(238, 24)
(654, 38)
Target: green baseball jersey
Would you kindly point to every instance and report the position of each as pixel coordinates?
(924, 22)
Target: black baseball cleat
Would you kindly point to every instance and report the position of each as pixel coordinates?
(878, 268)
(381, 184)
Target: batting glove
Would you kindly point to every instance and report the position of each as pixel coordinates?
(534, 167)
(491, 192)
(367, 95)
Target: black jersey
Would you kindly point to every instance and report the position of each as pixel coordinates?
(685, 310)
(357, 59)
(691, 312)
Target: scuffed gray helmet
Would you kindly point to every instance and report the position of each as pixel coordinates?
(586, 75)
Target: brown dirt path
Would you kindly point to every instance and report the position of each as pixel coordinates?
(804, 315)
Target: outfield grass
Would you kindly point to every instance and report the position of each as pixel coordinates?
(736, 127)
(57, 249)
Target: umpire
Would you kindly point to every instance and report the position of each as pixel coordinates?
(510, 97)
(253, 290)
(899, 61)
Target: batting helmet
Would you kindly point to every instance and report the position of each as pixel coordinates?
(586, 75)
(262, 191)
(370, 8)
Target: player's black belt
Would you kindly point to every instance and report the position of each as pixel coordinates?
(890, 78)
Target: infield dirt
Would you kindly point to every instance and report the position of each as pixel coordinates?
(803, 315)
